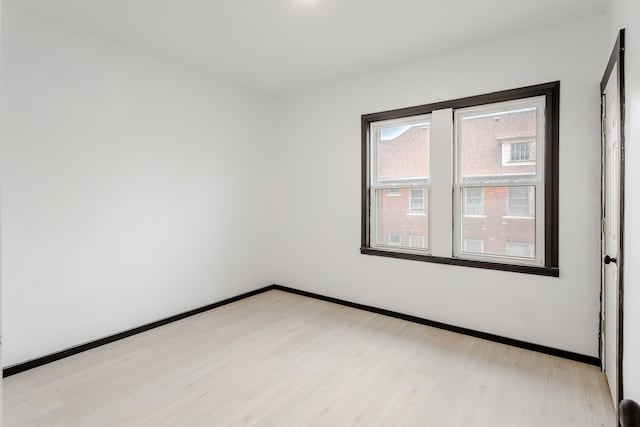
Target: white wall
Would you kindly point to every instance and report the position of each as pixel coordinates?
(1, 358)
(319, 189)
(624, 14)
(127, 188)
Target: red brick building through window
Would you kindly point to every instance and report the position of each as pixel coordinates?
(494, 149)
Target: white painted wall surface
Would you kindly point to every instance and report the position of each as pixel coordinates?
(128, 188)
(319, 185)
(625, 14)
(1, 358)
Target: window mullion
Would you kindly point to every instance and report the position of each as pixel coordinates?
(442, 182)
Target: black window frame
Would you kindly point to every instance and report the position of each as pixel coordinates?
(551, 91)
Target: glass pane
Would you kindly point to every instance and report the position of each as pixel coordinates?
(403, 154)
(507, 226)
(498, 145)
(402, 219)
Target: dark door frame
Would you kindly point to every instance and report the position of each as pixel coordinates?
(617, 57)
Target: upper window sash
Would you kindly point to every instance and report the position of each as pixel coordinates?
(382, 173)
(505, 177)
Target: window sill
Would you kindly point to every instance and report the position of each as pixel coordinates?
(416, 214)
(474, 216)
(518, 217)
(516, 268)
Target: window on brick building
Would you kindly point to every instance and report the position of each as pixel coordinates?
(522, 250)
(473, 201)
(416, 201)
(521, 201)
(519, 151)
(473, 246)
(395, 240)
(475, 180)
(417, 242)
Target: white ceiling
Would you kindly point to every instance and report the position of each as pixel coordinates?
(275, 46)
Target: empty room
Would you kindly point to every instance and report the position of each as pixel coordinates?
(320, 213)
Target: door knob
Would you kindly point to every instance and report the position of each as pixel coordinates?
(609, 260)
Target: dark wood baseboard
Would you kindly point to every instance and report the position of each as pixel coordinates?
(21, 367)
(34, 363)
(591, 360)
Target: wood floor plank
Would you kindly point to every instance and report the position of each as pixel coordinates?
(278, 359)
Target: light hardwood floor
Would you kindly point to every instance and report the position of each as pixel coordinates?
(278, 359)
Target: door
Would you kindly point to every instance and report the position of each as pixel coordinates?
(610, 241)
(612, 221)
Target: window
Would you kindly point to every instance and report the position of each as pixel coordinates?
(473, 201)
(473, 246)
(475, 181)
(520, 201)
(416, 201)
(400, 166)
(417, 242)
(523, 250)
(394, 240)
(519, 151)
